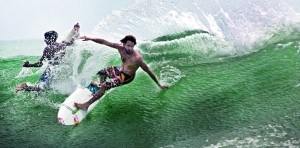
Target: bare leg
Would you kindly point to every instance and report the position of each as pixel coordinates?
(25, 87)
(102, 79)
(98, 95)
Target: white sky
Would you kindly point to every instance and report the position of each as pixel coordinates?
(30, 19)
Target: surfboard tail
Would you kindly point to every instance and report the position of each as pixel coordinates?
(61, 120)
(76, 120)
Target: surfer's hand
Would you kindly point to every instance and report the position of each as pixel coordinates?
(163, 86)
(26, 64)
(85, 38)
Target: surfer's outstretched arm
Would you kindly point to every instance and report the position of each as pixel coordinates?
(144, 66)
(101, 41)
(37, 64)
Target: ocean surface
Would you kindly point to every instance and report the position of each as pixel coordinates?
(233, 69)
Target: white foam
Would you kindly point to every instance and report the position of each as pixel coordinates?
(68, 77)
(244, 22)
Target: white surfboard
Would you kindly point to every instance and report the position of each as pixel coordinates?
(71, 34)
(68, 114)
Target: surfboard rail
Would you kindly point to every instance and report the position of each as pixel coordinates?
(68, 114)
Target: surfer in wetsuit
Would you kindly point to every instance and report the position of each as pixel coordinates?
(53, 52)
(119, 75)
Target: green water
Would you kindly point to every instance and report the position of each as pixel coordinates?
(248, 100)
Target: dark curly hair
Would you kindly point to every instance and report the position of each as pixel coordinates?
(51, 36)
(128, 38)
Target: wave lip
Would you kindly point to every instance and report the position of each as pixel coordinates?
(244, 22)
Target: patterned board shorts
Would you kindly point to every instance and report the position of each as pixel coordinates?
(45, 80)
(117, 77)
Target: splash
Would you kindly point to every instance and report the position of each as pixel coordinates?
(227, 29)
(244, 22)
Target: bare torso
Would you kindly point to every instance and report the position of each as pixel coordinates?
(54, 53)
(130, 62)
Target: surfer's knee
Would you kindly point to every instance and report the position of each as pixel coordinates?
(102, 75)
(105, 86)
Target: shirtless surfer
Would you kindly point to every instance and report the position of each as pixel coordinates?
(54, 52)
(119, 75)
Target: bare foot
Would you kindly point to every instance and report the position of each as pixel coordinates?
(81, 106)
(20, 87)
